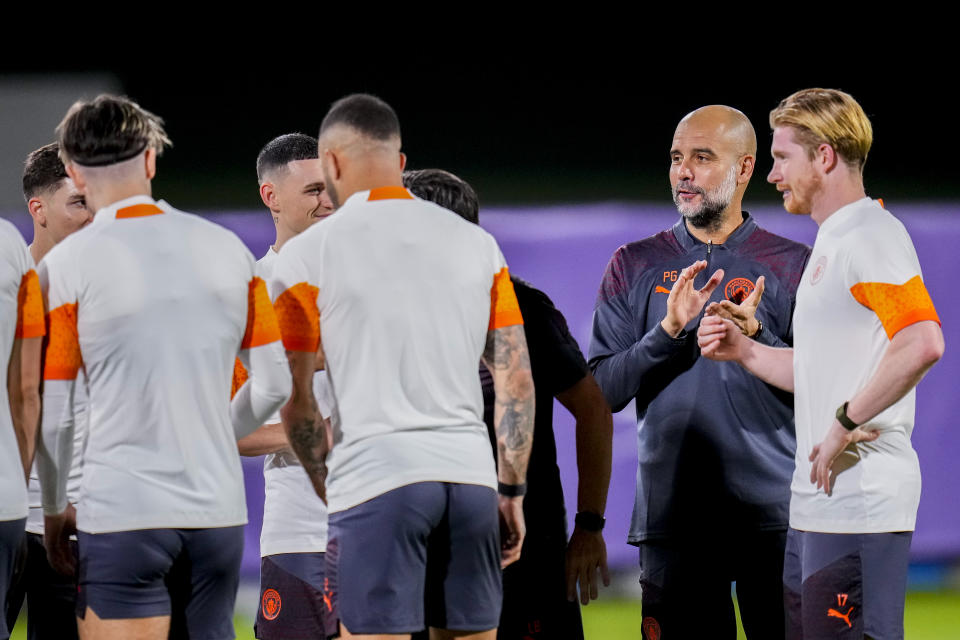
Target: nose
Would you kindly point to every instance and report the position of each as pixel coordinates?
(774, 176)
(684, 172)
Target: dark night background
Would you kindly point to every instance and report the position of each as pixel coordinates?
(527, 130)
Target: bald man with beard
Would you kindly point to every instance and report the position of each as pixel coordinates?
(716, 445)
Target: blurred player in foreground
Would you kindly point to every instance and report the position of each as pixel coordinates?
(539, 596)
(715, 444)
(405, 320)
(21, 336)
(865, 333)
(294, 534)
(58, 209)
(154, 304)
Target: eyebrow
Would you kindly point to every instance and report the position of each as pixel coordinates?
(314, 185)
(705, 150)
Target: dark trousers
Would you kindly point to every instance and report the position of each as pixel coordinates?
(51, 596)
(686, 584)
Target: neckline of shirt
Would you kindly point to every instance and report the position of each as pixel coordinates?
(739, 235)
(843, 213)
(109, 212)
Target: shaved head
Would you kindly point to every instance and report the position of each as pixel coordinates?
(729, 125)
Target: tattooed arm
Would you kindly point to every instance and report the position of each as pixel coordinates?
(306, 430)
(509, 363)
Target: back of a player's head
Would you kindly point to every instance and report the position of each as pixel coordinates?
(43, 171)
(445, 189)
(828, 116)
(365, 114)
(108, 130)
(283, 150)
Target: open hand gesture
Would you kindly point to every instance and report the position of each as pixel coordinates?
(685, 302)
(744, 314)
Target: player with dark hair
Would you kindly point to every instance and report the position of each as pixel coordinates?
(154, 304)
(412, 486)
(715, 444)
(21, 336)
(58, 209)
(294, 534)
(539, 595)
(866, 332)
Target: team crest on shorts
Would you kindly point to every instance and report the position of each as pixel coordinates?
(738, 289)
(270, 605)
(651, 628)
(817, 274)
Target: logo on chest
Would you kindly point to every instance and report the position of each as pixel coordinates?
(738, 289)
(818, 270)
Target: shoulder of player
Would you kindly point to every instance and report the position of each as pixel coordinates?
(11, 238)
(530, 297)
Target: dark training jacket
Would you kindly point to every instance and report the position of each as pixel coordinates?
(716, 445)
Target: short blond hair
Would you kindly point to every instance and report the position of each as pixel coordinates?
(827, 116)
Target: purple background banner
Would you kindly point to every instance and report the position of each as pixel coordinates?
(563, 250)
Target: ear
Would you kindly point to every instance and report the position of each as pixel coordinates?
(826, 158)
(150, 161)
(747, 164)
(403, 161)
(334, 164)
(76, 176)
(36, 207)
(268, 194)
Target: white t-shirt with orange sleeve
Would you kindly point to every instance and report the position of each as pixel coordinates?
(155, 305)
(21, 316)
(403, 293)
(861, 286)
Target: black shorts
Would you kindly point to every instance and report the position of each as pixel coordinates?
(191, 575)
(51, 596)
(12, 533)
(687, 585)
(295, 599)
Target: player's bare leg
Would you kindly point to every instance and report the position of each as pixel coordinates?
(449, 634)
(92, 627)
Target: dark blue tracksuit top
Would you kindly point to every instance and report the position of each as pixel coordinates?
(716, 445)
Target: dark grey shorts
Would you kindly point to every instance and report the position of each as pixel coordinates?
(294, 598)
(432, 542)
(191, 575)
(839, 585)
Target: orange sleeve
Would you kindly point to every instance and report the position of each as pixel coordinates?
(30, 322)
(262, 327)
(504, 308)
(240, 375)
(897, 306)
(63, 358)
(299, 318)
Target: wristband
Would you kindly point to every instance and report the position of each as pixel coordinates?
(512, 490)
(842, 418)
(589, 521)
(758, 331)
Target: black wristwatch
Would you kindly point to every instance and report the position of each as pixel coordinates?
(842, 418)
(758, 331)
(589, 521)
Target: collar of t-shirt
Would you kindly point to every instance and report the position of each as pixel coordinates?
(739, 235)
(132, 207)
(837, 217)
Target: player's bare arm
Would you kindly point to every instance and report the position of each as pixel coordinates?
(912, 352)
(270, 438)
(506, 356)
(587, 551)
(305, 429)
(744, 314)
(23, 382)
(686, 301)
(720, 339)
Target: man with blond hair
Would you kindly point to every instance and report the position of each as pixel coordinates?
(865, 333)
(155, 305)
